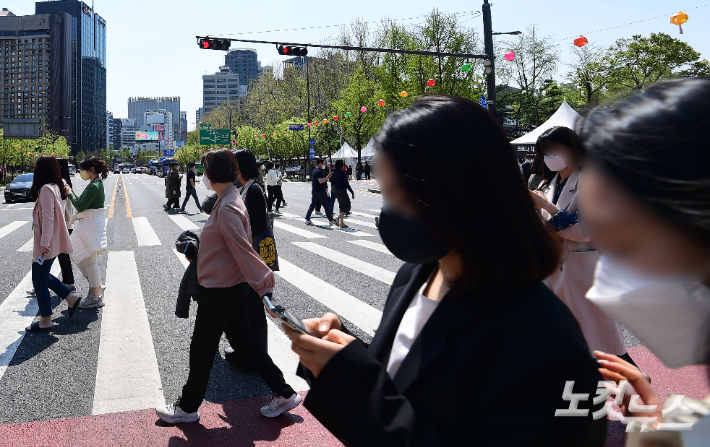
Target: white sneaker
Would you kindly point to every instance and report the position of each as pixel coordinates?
(279, 405)
(31, 292)
(91, 302)
(173, 414)
(88, 294)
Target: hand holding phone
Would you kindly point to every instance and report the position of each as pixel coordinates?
(40, 260)
(281, 313)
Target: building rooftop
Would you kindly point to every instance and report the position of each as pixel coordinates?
(6, 13)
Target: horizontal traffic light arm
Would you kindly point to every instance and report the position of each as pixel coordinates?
(368, 49)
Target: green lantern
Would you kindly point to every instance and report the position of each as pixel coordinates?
(466, 67)
(348, 114)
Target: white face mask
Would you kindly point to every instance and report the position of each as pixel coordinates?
(207, 182)
(669, 316)
(555, 162)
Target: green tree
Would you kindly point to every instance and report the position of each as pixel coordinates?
(590, 73)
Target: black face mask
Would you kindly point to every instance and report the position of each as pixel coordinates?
(409, 239)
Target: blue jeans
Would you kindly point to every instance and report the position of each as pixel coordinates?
(43, 281)
(188, 194)
(322, 198)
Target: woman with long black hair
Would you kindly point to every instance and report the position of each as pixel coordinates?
(472, 348)
(51, 238)
(341, 186)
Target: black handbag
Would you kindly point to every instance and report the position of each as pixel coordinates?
(265, 243)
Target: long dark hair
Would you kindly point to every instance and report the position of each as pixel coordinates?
(99, 166)
(64, 168)
(247, 164)
(655, 145)
(561, 135)
(505, 244)
(47, 172)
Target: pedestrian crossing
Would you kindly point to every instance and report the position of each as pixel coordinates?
(9, 228)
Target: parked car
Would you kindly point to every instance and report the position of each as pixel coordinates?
(19, 188)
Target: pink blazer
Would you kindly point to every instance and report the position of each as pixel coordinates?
(49, 226)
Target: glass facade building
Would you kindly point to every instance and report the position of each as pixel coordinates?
(138, 106)
(242, 61)
(88, 72)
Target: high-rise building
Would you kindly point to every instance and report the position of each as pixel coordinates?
(129, 127)
(138, 106)
(36, 81)
(109, 129)
(88, 72)
(199, 114)
(117, 128)
(183, 127)
(219, 88)
(243, 61)
(161, 121)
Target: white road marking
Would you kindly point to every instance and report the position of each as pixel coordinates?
(127, 375)
(376, 211)
(283, 356)
(372, 246)
(16, 313)
(353, 232)
(181, 257)
(183, 222)
(357, 213)
(17, 209)
(363, 267)
(28, 247)
(144, 232)
(358, 312)
(9, 228)
(299, 231)
(360, 222)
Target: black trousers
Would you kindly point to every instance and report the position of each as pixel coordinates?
(259, 329)
(343, 200)
(65, 264)
(272, 195)
(175, 202)
(319, 198)
(279, 197)
(224, 311)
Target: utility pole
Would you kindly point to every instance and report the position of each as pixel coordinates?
(308, 111)
(491, 69)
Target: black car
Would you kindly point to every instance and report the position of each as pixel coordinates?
(19, 188)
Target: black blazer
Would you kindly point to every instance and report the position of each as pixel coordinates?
(488, 369)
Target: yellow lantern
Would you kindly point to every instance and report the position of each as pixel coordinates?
(404, 94)
(679, 18)
(325, 121)
(274, 133)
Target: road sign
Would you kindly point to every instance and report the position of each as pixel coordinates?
(312, 142)
(296, 127)
(214, 136)
(205, 125)
(312, 151)
(312, 156)
(168, 152)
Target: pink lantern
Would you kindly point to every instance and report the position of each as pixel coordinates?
(431, 83)
(363, 109)
(309, 124)
(509, 56)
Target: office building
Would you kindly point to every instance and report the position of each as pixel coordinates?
(36, 77)
(219, 88)
(243, 62)
(129, 127)
(183, 127)
(138, 106)
(88, 72)
(160, 121)
(199, 114)
(117, 127)
(109, 129)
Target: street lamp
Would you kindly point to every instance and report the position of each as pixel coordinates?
(489, 63)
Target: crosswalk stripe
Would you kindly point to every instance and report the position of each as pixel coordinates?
(28, 247)
(9, 228)
(376, 211)
(299, 231)
(144, 232)
(372, 246)
(16, 313)
(358, 312)
(17, 209)
(181, 257)
(363, 267)
(184, 223)
(283, 356)
(127, 374)
(360, 222)
(354, 232)
(357, 213)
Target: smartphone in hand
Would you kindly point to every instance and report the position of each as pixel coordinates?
(278, 311)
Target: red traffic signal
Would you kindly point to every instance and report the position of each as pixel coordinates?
(286, 50)
(214, 44)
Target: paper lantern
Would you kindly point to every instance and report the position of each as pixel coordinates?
(335, 118)
(274, 133)
(348, 114)
(581, 41)
(466, 67)
(404, 94)
(381, 102)
(256, 136)
(509, 56)
(325, 121)
(363, 109)
(679, 18)
(309, 124)
(264, 135)
(431, 83)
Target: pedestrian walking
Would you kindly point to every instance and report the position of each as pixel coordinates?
(368, 170)
(172, 187)
(272, 180)
(448, 303)
(227, 268)
(51, 238)
(89, 238)
(341, 186)
(563, 158)
(319, 190)
(349, 170)
(359, 170)
(646, 204)
(190, 189)
(280, 201)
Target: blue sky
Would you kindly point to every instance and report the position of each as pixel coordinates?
(152, 49)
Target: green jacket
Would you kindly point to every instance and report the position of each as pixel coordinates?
(92, 198)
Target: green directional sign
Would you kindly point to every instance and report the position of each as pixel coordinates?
(214, 136)
(205, 125)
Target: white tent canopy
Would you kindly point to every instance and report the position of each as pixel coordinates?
(565, 116)
(345, 152)
(369, 150)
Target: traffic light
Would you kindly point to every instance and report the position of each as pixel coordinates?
(214, 44)
(286, 50)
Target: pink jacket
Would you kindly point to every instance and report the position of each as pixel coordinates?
(49, 226)
(226, 257)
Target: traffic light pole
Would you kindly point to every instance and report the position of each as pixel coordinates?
(308, 110)
(488, 47)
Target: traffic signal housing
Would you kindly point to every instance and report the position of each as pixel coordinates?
(214, 44)
(286, 50)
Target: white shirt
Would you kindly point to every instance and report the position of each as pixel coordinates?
(272, 178)
(416, 316)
